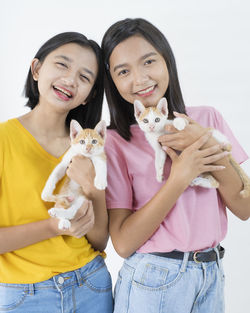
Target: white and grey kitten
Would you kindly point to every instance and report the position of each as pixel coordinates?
(152, 121)
(86, 142)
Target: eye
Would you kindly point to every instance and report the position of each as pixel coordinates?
(148, 62)
(60, 64)
(82, 142)
(123, 72)
(83, 77)
(157, 120)
(94, 141)
(145, 120)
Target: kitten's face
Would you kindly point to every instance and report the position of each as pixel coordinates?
(152, 119)
(88, 142)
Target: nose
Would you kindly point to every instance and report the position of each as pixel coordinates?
(88, 148)
(69, 80)
(140, 77)
(151, 127)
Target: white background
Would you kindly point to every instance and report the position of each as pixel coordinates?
(211, 42)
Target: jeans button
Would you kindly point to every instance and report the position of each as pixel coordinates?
(60, 280)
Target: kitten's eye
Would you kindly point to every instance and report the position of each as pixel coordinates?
(145, 120)
(157, 120)
(82, 142)
(94, 141)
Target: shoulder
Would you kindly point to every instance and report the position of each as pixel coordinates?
(6, 125)
(115, 142)
(206, 115)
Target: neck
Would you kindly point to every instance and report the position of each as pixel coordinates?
(50, 124)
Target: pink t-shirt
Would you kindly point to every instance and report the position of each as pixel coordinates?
(198, 220)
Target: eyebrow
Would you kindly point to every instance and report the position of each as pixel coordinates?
(70, 60)
(145, 56)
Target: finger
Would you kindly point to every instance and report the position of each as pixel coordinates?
(170, 128)
(212, 168)
(201, 141)
(169, 137)
(190, 120)
(84, 227)
(171, 153)
(209, 151)
(216, 157)
(82, 211)
(88, 211)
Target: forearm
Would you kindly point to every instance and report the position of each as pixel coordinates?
(98, 235)
(230, 185)
(17, 237)
(138, 227)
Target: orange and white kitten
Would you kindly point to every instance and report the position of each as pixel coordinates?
(152, 121)
(86, 142)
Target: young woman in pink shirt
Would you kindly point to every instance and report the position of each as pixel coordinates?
(169, 233)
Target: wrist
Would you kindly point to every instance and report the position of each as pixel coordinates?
(178, 183)
(53, 227)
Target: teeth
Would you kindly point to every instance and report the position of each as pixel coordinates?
(146, 90)
(63, 91)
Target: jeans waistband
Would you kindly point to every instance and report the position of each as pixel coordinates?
(197, 256)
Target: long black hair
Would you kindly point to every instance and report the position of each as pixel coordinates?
(89, 114)
(121, 111)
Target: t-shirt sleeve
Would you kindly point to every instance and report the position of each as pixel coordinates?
(237, 151)
(119, 189)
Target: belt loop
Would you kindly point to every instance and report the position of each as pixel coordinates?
(31, 289)
(184, 262)
(218, 261)
(78, 277)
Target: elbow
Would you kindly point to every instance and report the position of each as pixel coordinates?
(123, 250)
(244, 217)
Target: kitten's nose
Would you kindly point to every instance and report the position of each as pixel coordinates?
(151, 127)
(88, 148)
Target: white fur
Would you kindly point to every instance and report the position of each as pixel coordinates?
(59, 171)
(153, 130)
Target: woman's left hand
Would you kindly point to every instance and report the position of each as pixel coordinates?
(82, 171)
(181, 139)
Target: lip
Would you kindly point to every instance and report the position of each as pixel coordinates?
(145, 93)
(63, 93)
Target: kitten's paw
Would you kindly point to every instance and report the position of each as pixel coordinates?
(100, 184)
(62, 213)
(180, 123)
(205, 182)
(64, 224)
(52, 212)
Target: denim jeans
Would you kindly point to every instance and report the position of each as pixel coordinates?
(153, 284)
(86, 290)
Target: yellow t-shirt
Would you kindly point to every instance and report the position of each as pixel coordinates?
(24, 169)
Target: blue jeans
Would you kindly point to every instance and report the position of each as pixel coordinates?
(153, 284)
(86, 290)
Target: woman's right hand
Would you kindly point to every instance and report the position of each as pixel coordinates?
(81, 224)
(193, 161)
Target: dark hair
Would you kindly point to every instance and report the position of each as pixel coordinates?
(121, 111)
(89, 114)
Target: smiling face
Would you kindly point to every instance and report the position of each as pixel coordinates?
(139, 71)
(66, 76)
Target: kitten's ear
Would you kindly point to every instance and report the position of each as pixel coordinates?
(101, 129)
(162, 106)
(75, 127)
(139, 108)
